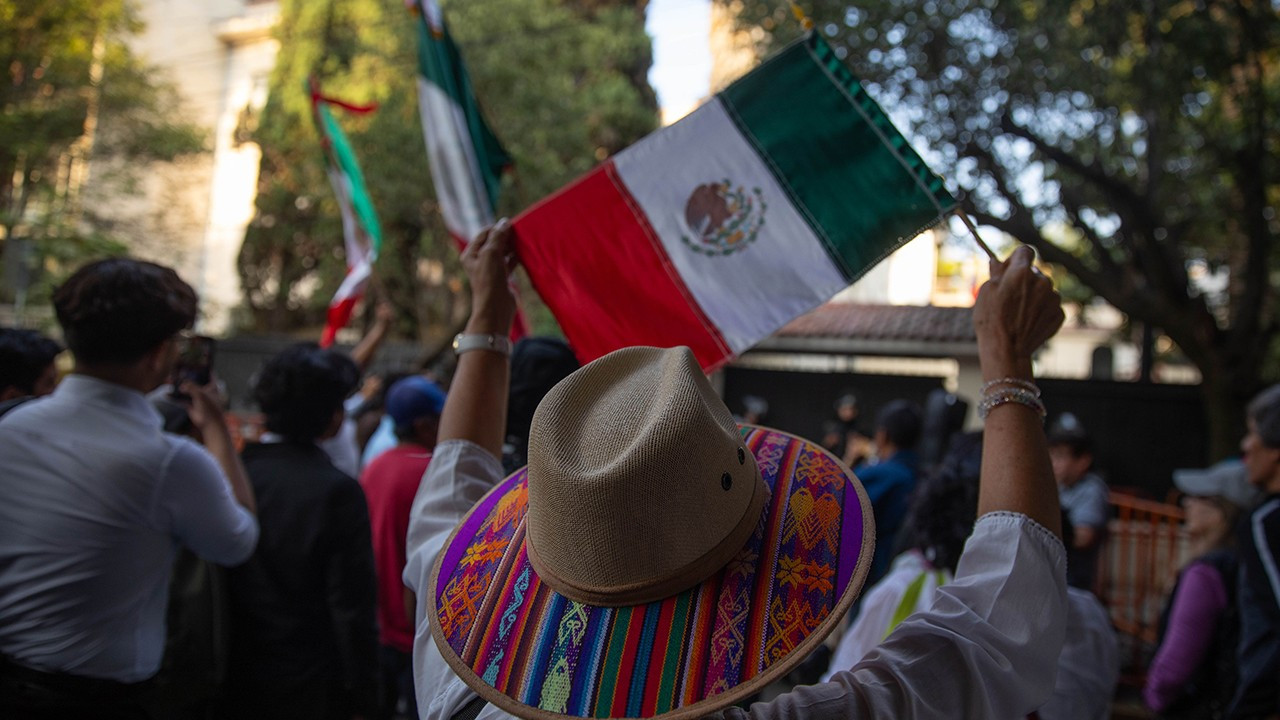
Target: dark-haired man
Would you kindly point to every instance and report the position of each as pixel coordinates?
(26, 364)
(95, 495)
(892, 478)
(304, 631)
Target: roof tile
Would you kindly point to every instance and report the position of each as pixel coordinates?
(884, 322)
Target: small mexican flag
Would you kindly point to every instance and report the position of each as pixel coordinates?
(466, 159)
(716, 231)
(362, 235)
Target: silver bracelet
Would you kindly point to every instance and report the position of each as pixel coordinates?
(1015, 382)
(1018, 395)
(466, 342)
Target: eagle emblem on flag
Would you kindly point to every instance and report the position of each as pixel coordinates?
(723, 219)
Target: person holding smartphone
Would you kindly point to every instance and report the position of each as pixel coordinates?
(96, 495)
(194, 365)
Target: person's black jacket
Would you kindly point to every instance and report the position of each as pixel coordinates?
(1258, 694)
(303, 608)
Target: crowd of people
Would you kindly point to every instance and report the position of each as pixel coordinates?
(545, 539)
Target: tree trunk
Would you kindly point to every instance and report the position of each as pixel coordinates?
(1225, 397)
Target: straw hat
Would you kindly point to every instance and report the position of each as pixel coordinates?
(654, 559)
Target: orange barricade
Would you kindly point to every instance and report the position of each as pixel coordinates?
(1144, 549)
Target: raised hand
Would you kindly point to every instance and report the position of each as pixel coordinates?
(1016, 312)
(205, 407)
(488, 262)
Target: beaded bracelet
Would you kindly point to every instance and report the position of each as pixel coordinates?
(1022, 396)
(1015, 382)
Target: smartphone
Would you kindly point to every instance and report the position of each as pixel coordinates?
(195, 363)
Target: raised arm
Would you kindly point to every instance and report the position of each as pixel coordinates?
(1016, 312)
(477, 406)
(206, 414)
(365, 350)
(988, 645)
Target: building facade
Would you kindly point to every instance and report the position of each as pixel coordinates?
(192, 214)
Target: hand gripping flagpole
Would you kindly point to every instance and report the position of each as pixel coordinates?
(968, 223)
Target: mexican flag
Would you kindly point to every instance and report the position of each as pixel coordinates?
(466, 159)
(773, 196)
(362, 235)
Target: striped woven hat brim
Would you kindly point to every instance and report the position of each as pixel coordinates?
(537, 654)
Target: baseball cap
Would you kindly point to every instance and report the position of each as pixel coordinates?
(1227, 479)
(412, 398)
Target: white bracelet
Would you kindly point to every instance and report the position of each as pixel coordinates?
(1018, 395)
(466, 342)
(1015, 382)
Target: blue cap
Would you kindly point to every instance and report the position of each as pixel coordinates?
(413, 398)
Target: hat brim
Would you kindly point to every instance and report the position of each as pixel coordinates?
(1195, 482)
(1228, 479)
(536, 654)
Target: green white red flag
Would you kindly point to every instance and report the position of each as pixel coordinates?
(465, 157)
(765, 202)
(361, 232)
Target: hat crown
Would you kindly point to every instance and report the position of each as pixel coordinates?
(639, 483)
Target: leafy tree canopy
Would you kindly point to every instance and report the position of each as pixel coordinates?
(72, 92)
(1134, 144)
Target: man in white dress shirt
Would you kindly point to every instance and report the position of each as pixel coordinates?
(97, 497)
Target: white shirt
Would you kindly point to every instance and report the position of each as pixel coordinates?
(1089, 666)
(343, 448)
(987, 648)
(383, 439)
(881, 603)
(95, 498)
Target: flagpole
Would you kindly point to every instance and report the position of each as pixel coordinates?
(964, 218)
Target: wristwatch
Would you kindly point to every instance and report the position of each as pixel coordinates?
(466, 342)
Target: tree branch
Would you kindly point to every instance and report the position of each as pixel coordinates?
(1125, 290)
(1251, 306)
(1251, 175)
(1074, 206)
(1153, 259)
(1091, 171)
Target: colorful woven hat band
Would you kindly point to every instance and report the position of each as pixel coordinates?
(537, 654)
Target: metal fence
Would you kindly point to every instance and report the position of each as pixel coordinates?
(1141, 432)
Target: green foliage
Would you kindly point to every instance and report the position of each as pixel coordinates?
(1149, 130)
(73, 92)
(562, 85)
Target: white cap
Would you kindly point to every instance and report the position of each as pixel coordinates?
(1227, 479)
